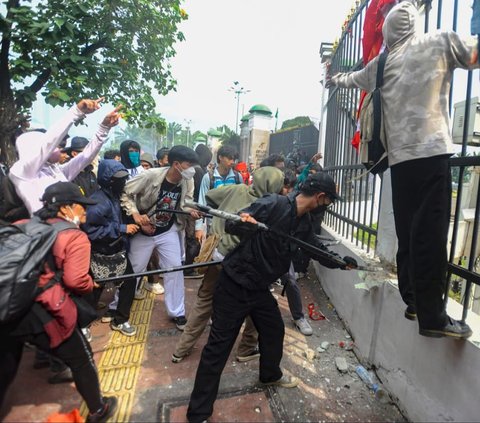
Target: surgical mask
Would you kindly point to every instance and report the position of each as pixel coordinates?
(134, 157)
(188, 173)
(55, 156)
(75, 219)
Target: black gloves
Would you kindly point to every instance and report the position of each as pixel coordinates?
(350, 262)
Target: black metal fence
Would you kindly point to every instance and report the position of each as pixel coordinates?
(356, 218)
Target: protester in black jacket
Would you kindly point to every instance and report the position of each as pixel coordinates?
(107, 230)
(193, 239)
(86, 179)
(242, 288)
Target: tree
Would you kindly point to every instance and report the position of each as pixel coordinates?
(174, 132)
(296, 122)
(69, 50)
(229, 137)
(149, 137)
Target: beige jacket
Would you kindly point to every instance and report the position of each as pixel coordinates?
(141, 193)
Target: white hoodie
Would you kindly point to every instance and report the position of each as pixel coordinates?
(32, 173)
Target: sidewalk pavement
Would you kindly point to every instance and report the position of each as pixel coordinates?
(152, 388)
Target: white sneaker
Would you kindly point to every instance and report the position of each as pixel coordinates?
(156, 288)
(139, 294)
(125, 328)
(303, 326)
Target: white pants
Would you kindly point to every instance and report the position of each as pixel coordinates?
(168, 248)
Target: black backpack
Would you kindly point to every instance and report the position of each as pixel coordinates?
(12, 207)
(372, 131)
(24, 250)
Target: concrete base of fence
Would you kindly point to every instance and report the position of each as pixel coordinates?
(431, 379)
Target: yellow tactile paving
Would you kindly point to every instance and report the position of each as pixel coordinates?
(119, 366)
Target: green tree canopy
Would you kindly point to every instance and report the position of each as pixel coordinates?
(229, 137)
(68, 50)
(296, 122)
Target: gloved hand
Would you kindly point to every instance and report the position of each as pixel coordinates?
(350, 263)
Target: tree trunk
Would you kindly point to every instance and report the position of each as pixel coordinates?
(8, 126)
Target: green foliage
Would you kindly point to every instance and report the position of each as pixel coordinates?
(149, 137)
(456, 171)
(362, 236)
(68, 50)
(229, 137)
(296, 122)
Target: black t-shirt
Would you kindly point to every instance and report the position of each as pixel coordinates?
(168, 199)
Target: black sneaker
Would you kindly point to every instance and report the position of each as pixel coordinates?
(453, 329)
(180, 322)
(252, 355)
(191, 274)
(109, 407)
(411, 313)
(64, 376)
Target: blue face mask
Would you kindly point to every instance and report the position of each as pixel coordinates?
(134, 157)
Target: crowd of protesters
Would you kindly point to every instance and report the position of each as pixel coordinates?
(131, 211)
(121, 220)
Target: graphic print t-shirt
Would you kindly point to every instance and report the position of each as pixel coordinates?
(168, 198)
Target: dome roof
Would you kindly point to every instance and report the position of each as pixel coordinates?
(261, 109)
(245, 118)
(201, 138)
(214, 133)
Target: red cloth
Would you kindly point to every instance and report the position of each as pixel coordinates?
(372, 43)
(241, 167)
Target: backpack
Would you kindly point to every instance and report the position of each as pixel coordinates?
(24, 250)
(12, 207)
(372, 131)
(238, 178)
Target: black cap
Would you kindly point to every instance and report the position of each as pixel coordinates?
(77, 144)
(181, 153)
(65, 193)
(120, 174)
(320, 182)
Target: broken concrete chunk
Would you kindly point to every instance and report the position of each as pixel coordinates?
(320, 350)
(325, 345)
(341, 364)
(309, 354)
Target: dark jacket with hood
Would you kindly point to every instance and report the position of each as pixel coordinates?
(125, 158)
(263, 257)
(104, 226)
(87, 181)
(204, 158)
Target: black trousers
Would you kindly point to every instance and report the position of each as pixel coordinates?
(421, 191)
(231, 305)
(192, 246)
(75, 352)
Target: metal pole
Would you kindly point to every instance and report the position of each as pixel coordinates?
(156, 272)
(238, 104)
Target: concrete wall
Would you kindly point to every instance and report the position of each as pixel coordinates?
(431, 379)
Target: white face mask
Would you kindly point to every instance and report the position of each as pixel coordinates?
(75, 219)
(188, 173)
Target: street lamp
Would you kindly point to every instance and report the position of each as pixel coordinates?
(238, 90)
(188, 124)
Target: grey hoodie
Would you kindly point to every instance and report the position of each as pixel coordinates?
(416, 85)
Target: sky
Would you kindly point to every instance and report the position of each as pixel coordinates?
(270, 46)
